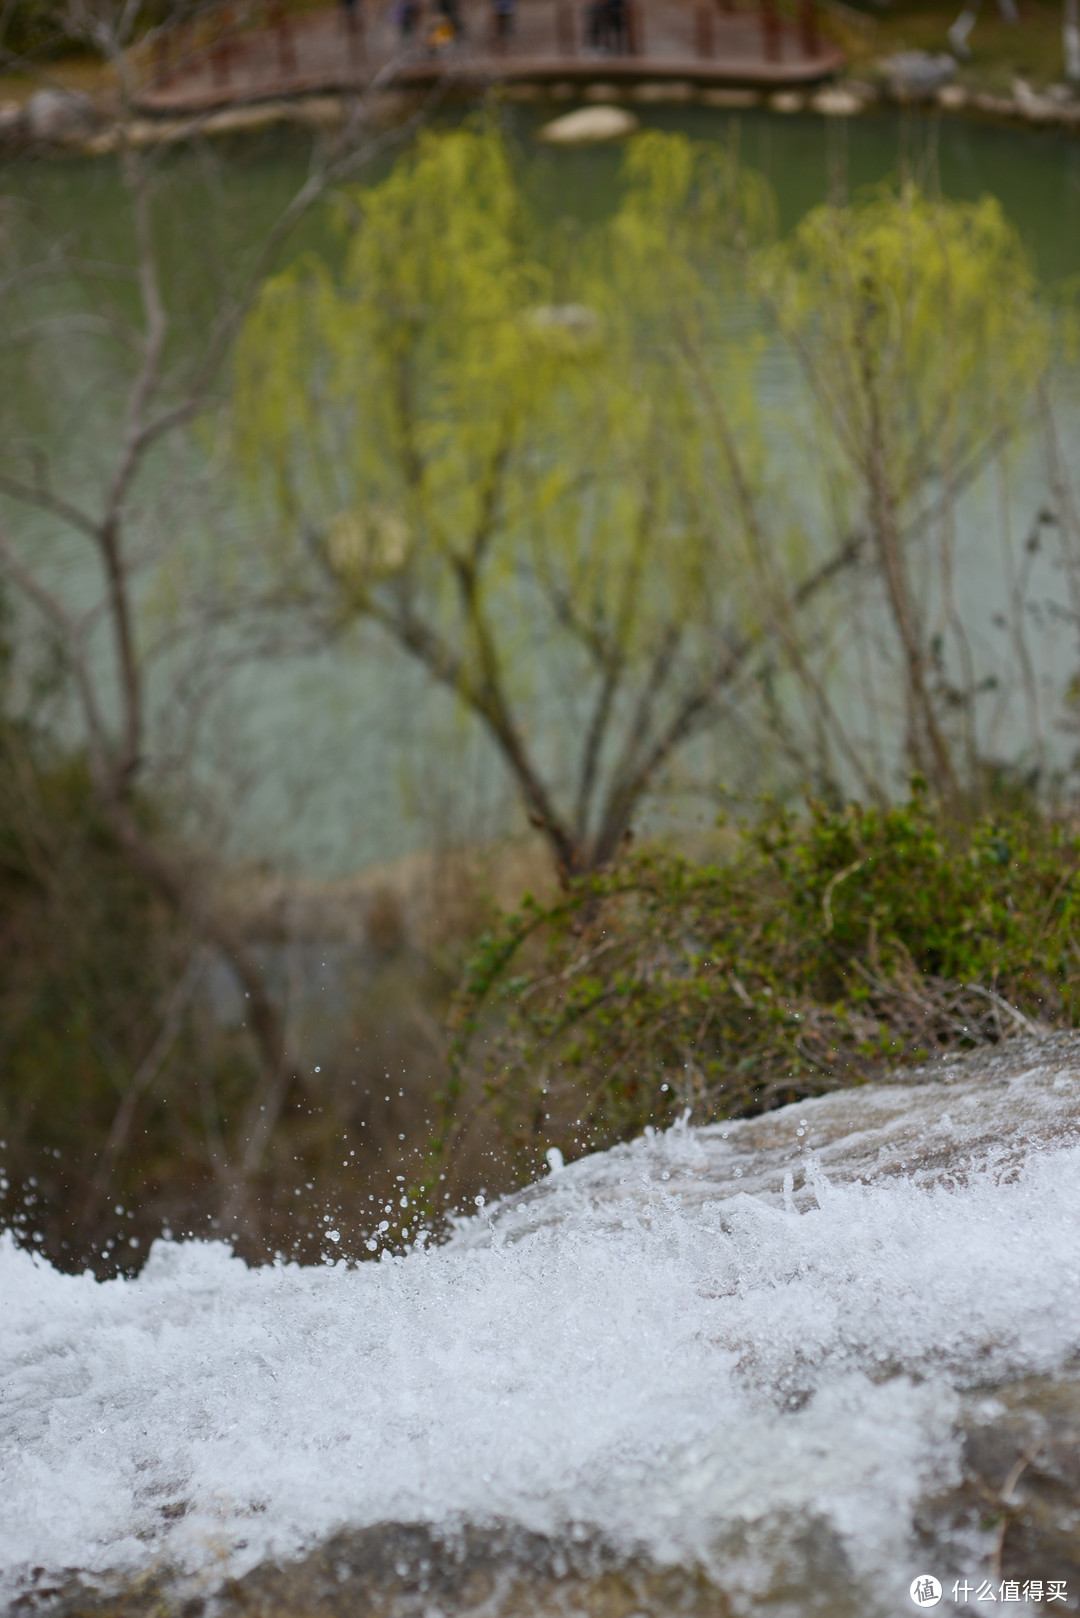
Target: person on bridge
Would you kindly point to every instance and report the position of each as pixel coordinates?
(503, 11)
(451, 11)
(407, 17)
(617, 33)
(608, 27)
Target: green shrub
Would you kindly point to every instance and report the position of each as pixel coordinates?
(824, 951)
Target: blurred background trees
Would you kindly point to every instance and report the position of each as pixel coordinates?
(550, 474)
(115, 367)
(669, 495)
(467, 441)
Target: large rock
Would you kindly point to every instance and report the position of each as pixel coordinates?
(59, 116)
(837, 101)
(589, 124)
(917, 75)
(769, 1369)
(938, 1126)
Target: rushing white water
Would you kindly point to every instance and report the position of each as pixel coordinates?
(657, 1373)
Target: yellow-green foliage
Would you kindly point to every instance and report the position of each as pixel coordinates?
(446, 370)
(394, 389)
(537, 458)
(923, 309)
(479, 442)
(454, 338)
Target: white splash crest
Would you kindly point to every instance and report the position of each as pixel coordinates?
(690, 1364)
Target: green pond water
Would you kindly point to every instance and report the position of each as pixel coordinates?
(337, 760)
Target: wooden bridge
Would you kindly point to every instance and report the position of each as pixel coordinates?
(232, 53)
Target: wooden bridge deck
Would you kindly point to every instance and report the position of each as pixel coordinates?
(699, 41)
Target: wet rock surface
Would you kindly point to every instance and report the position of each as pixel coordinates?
(1015, 1515)
(409, 1572)
(399, 1570)
(936, 1125)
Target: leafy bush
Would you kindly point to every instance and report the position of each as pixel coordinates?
(824, 951)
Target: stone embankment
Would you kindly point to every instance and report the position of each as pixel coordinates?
(63, 122)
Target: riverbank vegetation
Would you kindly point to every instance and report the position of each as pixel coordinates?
(827, 949)
(665, 508)
(1028, 46)
(564, 468)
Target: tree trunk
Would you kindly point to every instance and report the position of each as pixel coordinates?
(1070, 35)
(263, 1020)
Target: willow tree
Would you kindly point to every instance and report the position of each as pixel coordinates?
(480, 448)
(543, 465)
(917, 325)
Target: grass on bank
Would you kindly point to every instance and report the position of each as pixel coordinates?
(824, 952)
(1001, 52)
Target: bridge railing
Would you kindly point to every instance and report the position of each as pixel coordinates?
(220, 36)
(214, 36)
(572, 27)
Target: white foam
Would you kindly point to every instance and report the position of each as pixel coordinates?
(638, 1378)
